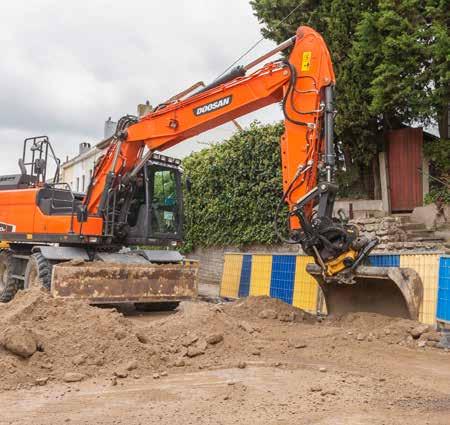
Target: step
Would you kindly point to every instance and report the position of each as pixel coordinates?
(403, 217)
(426, 239)
(412, 226)
(423, 232)
(444, 234)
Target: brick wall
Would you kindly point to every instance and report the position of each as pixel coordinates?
(211, 259)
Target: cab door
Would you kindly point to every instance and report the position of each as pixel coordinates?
(166, 203)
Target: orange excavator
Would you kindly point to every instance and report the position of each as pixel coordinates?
(74, 244)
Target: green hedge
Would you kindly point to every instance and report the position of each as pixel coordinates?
(235, 189)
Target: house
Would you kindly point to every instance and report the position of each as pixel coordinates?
(77, 172)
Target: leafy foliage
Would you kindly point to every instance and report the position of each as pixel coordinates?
(397, 43)
(235, 189)
(438, 152)
(391, 59)
(438, 195)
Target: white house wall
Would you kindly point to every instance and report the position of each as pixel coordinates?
(79, 170)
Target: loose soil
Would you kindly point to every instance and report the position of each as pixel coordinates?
(256, 360)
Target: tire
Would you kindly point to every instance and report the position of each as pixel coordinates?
(8, 285)
(157, 306)
(38, 273)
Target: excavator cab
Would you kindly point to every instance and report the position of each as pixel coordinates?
(155, 214)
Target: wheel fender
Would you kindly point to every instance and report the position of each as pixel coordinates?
(62, 253)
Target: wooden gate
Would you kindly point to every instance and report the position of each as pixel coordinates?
(404, 163)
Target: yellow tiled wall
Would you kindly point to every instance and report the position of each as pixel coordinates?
(305, 286)
(229, 287)
(260, 275)
(427, 267)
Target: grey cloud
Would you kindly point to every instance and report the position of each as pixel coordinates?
(66, 67)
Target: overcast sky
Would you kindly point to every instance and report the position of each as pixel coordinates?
(67, 66)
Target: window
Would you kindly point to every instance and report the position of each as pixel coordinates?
(83, 182)
(164, 202)
(78, 184)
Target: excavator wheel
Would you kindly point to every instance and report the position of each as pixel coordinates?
(8, 284)
(38, 273)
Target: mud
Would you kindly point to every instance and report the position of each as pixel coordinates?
(256, 360)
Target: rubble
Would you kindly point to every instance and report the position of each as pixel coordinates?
(19, 341)
(67, 341)
(195, 351)
(132, 365)
(73, 377)
(268, 314)
(214, 339)
(297, 344)
(417, 331)
(360, 337)
(42, 381)
(121, 373)
(391, 330)
(189, 340)
(247, 327)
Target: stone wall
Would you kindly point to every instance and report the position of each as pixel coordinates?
(386, 229)
(391, 235)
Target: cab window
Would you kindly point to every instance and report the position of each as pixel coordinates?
(164, 202)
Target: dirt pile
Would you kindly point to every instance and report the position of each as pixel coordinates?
(43, 339)
(46, 340)
(268, 308)
(372, 326)
(224, 335)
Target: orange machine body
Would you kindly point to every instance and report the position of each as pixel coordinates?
(18, 209)
(178, 120)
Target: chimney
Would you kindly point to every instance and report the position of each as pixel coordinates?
(84, 147)
(144, 109)
(110, 128)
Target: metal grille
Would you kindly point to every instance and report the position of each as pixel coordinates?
(443, 306)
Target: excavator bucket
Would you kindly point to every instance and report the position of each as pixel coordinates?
(391, 291)
(125, 279)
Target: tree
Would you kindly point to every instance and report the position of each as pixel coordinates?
(396, 42)
(391, 60)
